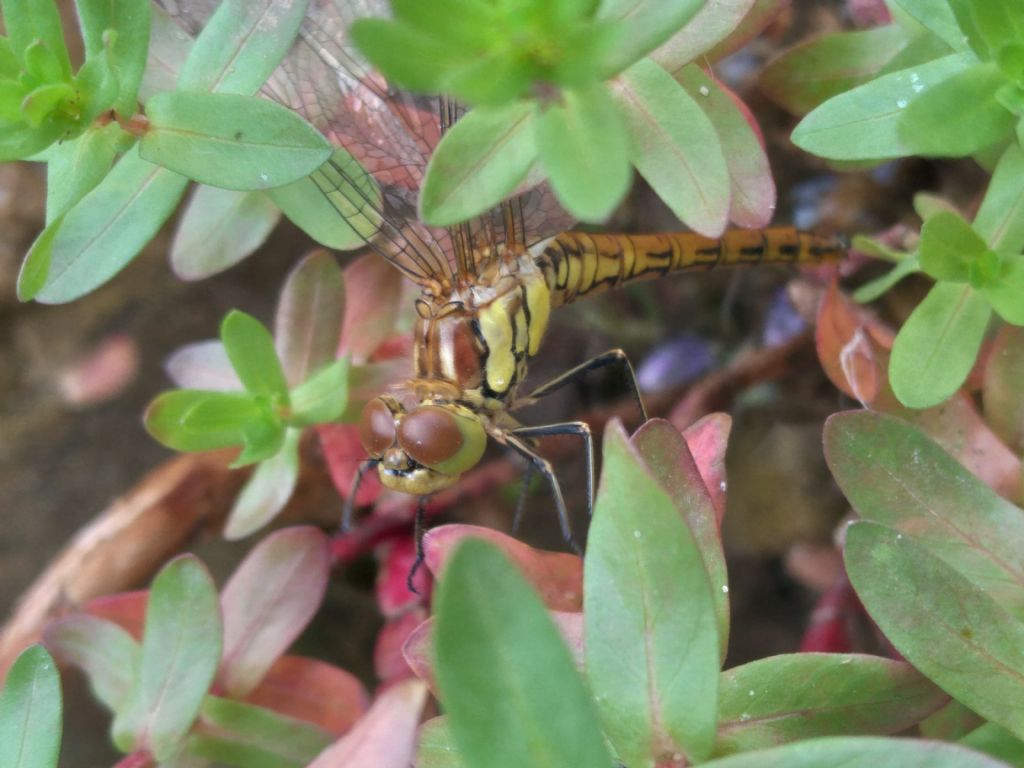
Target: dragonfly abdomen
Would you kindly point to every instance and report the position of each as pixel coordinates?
(577, 264)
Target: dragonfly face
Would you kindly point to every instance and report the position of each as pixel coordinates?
(424, 449)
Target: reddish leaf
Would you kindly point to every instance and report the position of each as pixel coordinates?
(419, 654)
(343, 453)
(203, 365)
(127, 610)
(314, 691)
(307, 325)
(707, 438)
(373, 289)
(708, 27)
(393, 594)
(388, 653)
(749, 27)
(558, 577)
(104, 373)
(1004, 372)
(831, 621)
(268, 601)
(385, 737)
(846, 337)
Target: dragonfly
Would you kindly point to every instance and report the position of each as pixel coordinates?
(487, 287)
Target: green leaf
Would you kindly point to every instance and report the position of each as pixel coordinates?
(1003, 405)
(435, 747)
(97, 86)
(263, 439)
(173, 420)
(310, 311)
(29, 20)
(336, 205)
(1006, 293)
(21, 141)
(241, 45)
(812, 72)
(800, 696)
(169, 46)
(479, 162)
(667, 456)
(31, 711)
(948, 247)
(511, 692)
(751, 187)
(35, 269)
(219, 228)
(937, 345)
(40, 103)
(991, 24)
(675, 147)
(958, 116)
(865, 123)
(251, 351)
(583, 146)
(231, 141)
(875, 288)
(108, 227)
(997, 742)
(895, 475)
(181, 648)
(322, 397)
(860, 752)
(423, 63)
(933, 15)
(646, 24)
(107, 654)
(648, 598)
(76, 167)
(933, 614)
(266, 491)
(236, 733)
(127, 23)
(1000, 219)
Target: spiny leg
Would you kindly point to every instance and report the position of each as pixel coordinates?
(544, 467)
(578, 428)
(419, 529)
(346, 514)
(611, 357)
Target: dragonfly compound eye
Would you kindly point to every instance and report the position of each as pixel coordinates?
(377, 427)
(443, 438)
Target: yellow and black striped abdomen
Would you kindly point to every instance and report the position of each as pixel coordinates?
(577, 264)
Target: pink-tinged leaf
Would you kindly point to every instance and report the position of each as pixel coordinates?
(648, 599)
(314, 691)
(557, 576)
(715, 21)
(752, 187)
(1004, 374)
(750, 26)
(386, 736)
(419, 654)
(107, 654)
(343, 453)
(389, 661)
(105, 372)
(307, 326)
(895, 475)
(846, 337)
(374, 290)
(393, 594)
(436, 747)
(666, 454)
(203, 365)
(180, 650)
(268, 601)
(708, 438)
(834, 616)
(127, 610)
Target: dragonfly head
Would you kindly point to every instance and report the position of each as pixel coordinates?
(423, 449)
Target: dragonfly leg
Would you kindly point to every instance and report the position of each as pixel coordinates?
(612, 357)
(346, 514)
(544, 467)
(517, 518)
(419, 529)
(578, 428)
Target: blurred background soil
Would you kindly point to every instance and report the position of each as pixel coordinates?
(75, 379)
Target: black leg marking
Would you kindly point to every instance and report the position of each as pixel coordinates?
(418, 531)
(612, 357)
(544, 467)
(578, 428)
(346, 514)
